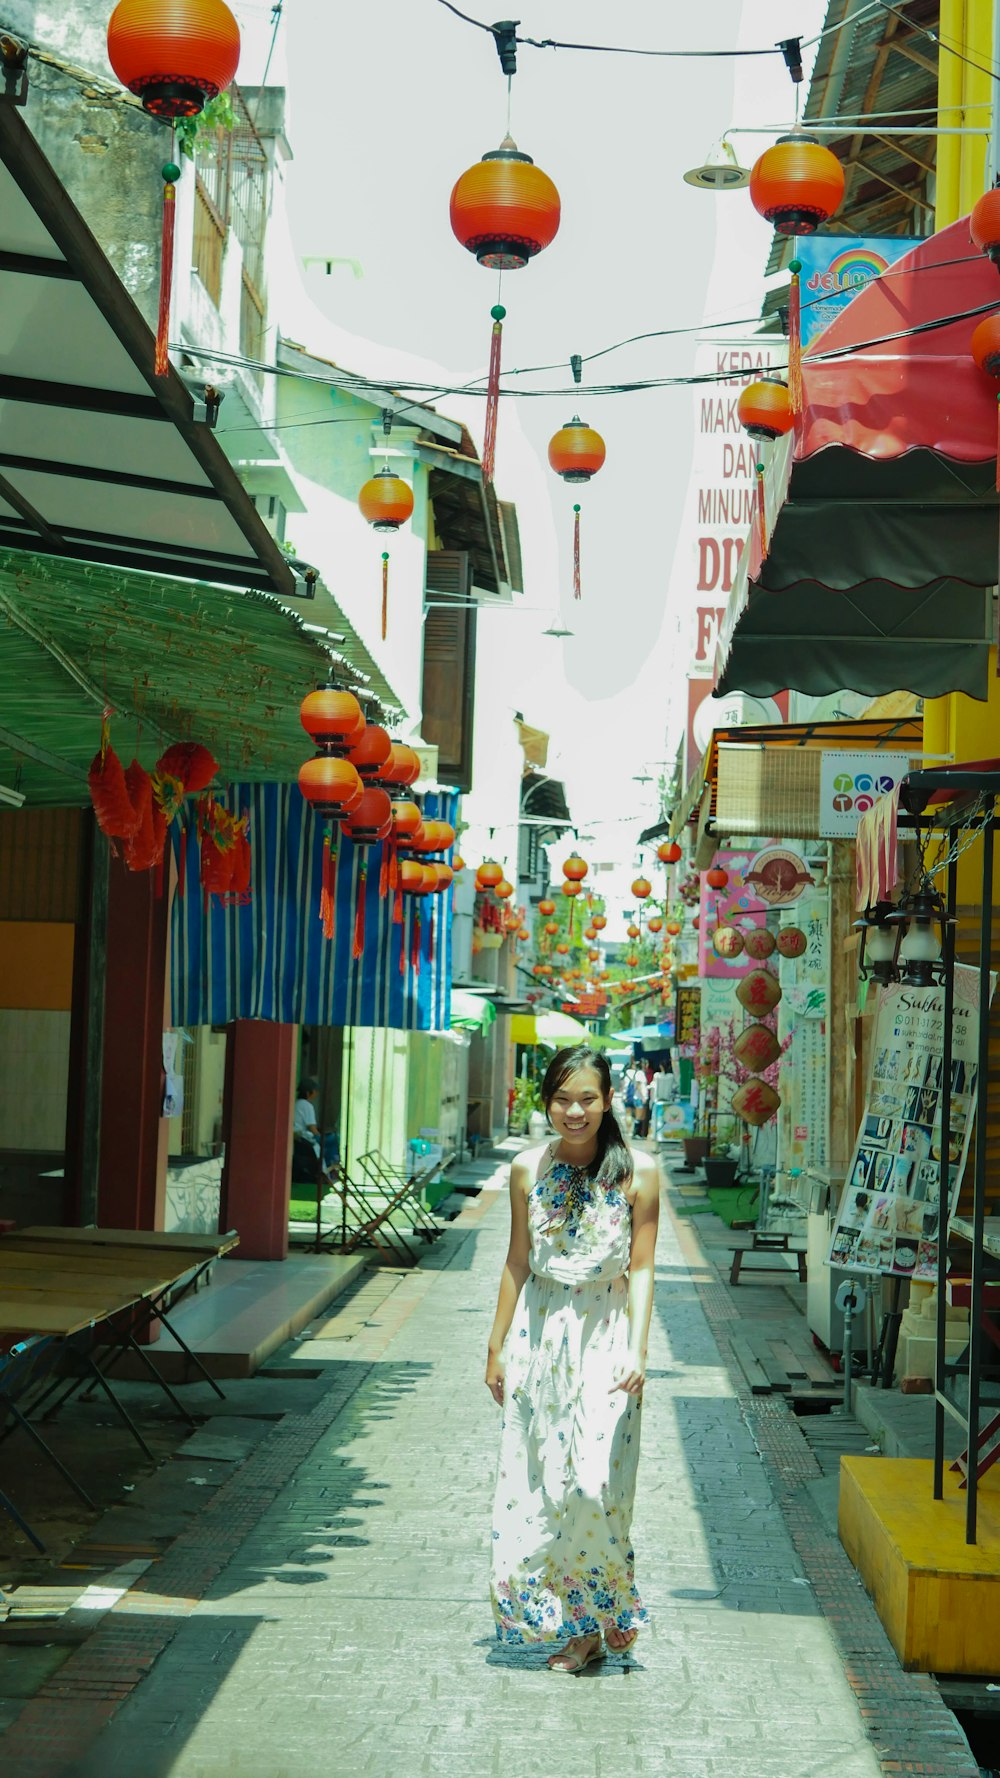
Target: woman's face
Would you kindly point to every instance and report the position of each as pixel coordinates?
(578, 1105)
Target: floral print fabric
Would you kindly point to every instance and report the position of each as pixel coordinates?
(569, 1443)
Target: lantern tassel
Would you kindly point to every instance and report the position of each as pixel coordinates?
(359, 914)
(397, 905)
(328, 892)
(383, 875)
(493, 393)
(430, 938)
(761, 513)
(997, 479)
(393, 864)
(576, 552)
(182, 862)
(385, 592)
(795, 393)
(415, 943)
(161, 362)
(402, 938)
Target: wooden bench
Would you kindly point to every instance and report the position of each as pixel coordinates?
(767, 1243)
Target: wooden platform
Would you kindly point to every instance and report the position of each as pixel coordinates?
(937, 1596)
(780, 1358)
(250, 1309)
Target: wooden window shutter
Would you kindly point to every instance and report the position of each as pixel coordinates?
(449, 679)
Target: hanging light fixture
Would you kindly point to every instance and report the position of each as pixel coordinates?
(504, 210)
(920, 949)
(175, 56)
(720, 170)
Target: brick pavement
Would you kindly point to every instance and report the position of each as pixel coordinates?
(327, 1615)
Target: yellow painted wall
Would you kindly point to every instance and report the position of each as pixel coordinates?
(36, 965)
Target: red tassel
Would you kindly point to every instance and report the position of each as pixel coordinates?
(998, 478)
(383, 875)
(393, 866)
(328, 892)
(182, 862)
(359, 913)
(576, 552)
(415, 943)
(385, 592)
(493, 394)
(161, 363)
(795, 339)
(402, 938)
(430, 940)
(761, 513)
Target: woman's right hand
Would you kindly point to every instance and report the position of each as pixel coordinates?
(495, 1377)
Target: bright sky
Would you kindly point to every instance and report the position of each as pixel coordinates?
(388, 104)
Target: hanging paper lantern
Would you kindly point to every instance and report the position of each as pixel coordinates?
(435, 836)
(791, 941)
(386, 501)
(764, 409)
(184, 768)
(334, 719)
(411, 876)
(402, 768)
(504, 209)
(222, 857)
(668, 852)
(590, 933)
(716, 878)
(523, 934)
(727, 941)
(444, 877)
(457, 864)
(174, 54)
(563, 950)
(490, 874)
(546, 907)
(407, 822)
(576, 451)
(632, 931)
(655, 924)
(571, 889)
(370, 755)
(631, 959)
(503, 890)
(575, 868)
(759, 943)
(641, 888)
(758, 993)
(756, 1048)
(109, 794)
(985, 349)
(331, 785)
(551, 927)
(797, 184)
(755, 1102)
(367, 820)
(598, 922)
(674, 928)
(143, 847)
(984, 225)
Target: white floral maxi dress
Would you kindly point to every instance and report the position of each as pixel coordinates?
(569, 1443)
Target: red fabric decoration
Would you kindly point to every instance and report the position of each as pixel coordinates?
(141, 846)
(415, 942)
(219, 832)
(402, 936)
(761, 513)
(161, 361)
(328, 893)
(359, 912)
(795, 340)
(113, 807)
(576, 552)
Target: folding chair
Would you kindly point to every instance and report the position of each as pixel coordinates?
(403, 1188)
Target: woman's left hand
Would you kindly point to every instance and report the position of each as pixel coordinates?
(631, 1374)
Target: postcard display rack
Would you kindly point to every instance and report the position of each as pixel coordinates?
(969, 815)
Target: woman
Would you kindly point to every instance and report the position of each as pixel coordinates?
(567, 1362)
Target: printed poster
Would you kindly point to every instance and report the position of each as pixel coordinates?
(889, 1212)
(835, 268)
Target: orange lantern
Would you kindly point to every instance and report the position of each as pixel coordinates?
(984, 225)
(407, 822)
(673, 928)
(370, 818)
(457, 864)
(552, 928)
(797, 184)
(764, 409)
(563, 950)
(985, 349)
(576, 451)
(571, 889)
(590, 933)
(546, 907)
(598, 922)
(716, 878)
(444, 877)
(631, 959)
(632, 931)
(386, 501)
(402, 768)
(522, 933)
(489, 874)
(641, 888)
(503, 890)
(174, 54)
(575, 868)
(333, 719)
(504, 210)
(332, 786)
(656, 924)
(668, 852)
(370, 755)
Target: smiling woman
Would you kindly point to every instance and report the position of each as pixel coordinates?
(567, 1358)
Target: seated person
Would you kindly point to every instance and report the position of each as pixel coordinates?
(306, 1133)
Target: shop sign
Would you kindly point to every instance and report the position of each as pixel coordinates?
(802, 1128)
(777, 876)
(735, 906)
(888, 1220)
(850, 784)
(688, 1017)
(835, 269)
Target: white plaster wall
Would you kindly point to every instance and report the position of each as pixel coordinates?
(35, 1078)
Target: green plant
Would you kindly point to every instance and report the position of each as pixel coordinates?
(527, 1099)
(217, 115)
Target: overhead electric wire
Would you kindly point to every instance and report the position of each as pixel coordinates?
(618, 49)
(940, 43)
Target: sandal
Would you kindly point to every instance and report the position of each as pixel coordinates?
(622, 1648)
(573, 1658)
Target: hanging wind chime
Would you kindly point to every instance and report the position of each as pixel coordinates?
(797, 184)
(175, 56)
(505, 210)
(386, 501)
(576, 453)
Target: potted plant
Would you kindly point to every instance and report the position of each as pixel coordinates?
(526, 1101)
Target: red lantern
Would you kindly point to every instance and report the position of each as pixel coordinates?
(175, 54)
(764, 409)
(598, 922)
(551, 927)
(575, 868)
(546, 907)
(716, 878)
(444, 877)
(489, 874)
(371, 754)
(369, 819)
(589, 933)
(407, 822)
(668, 852)
(984, 225)
(411, 876)
(402, 767)
(563, 950)
(333, 719)
(656, 924)
(797, 184)
(576, 451)
(504, 210)
(632, 931)
(331, 785)
(457, 864)
(572, 889)
(641, 888)
(631, 959)
(503, 890)
(386, 501)
(673, 927)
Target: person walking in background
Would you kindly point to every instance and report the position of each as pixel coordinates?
(567, 1363)
(640, 1127)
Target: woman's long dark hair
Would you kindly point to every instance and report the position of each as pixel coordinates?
(612, 1163)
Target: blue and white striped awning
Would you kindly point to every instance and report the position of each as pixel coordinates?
(269, 958)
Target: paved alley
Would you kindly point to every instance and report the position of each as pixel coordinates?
(349, 1632)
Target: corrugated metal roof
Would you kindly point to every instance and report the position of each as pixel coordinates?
(876, 63)
(174, 660)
